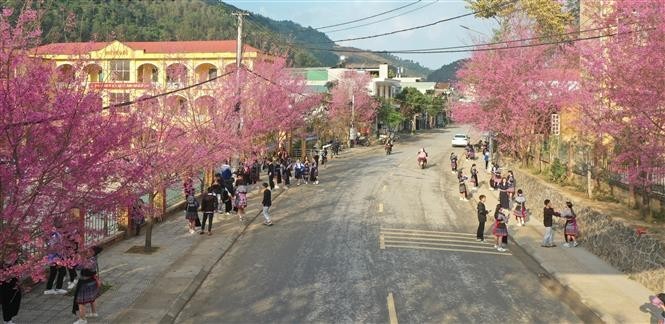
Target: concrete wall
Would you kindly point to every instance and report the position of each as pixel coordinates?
(613, 240)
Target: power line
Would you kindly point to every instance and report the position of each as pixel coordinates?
(365, 18)
(498, 6)
(382, 20)
(472, 48)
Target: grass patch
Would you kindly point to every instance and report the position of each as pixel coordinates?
(140, 249)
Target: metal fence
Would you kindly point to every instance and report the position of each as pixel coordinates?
(100, 225)
(580, 156)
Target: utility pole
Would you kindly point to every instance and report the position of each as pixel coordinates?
(240, 15)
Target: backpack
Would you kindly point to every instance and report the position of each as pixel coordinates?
(192, 207)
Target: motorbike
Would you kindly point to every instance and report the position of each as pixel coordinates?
(422, 162)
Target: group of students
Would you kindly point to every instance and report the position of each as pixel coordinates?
(501, 219)
(507, 194)
(83, 277)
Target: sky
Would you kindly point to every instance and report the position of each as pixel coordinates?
(327, 12)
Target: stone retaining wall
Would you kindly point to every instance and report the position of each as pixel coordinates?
(642, 258)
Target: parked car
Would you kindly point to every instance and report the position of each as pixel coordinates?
(460, 140)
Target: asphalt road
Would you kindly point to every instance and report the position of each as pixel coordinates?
(376, 229)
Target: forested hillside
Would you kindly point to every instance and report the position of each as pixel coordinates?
(446, 73)
(72, 21)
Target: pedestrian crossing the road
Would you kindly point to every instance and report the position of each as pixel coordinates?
(393, 238)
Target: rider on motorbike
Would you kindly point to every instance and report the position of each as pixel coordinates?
(388, 146)
(422, 156)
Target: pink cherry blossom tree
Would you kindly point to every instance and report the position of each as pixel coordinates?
(624, 84)
(59, 151)
(351, 89)
(513, 92)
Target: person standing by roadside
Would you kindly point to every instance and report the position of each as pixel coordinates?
(208, 206)
(266, 203)
(503, 194)
(474, 177)
(461, 178)
(520, 207)
(10, 296)
(511, 184)
(240, 199)
(548, 213)
(453, 162)
(88, 288)
(192, 213)
(137, 215)
(314, 172)
(57, 271)
(298, 169)
(286, 172)
(271, 174)
(305, 172)
(324, 157)
(500, 228)
(482, 218)
(570, 229)
(486, 157)
(278, 171)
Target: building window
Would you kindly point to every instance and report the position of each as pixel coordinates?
(212, 73)
(117, 98)
(120, 70)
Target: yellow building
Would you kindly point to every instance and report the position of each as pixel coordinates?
(127, 70)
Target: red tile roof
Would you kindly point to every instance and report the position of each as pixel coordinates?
(148, 47)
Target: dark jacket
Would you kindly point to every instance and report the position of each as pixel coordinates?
(482, 212)
(267, 198)
(209, 203)
(547, 216)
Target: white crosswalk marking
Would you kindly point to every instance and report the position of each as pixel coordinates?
(434, 240)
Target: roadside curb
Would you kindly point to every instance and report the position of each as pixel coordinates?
(176, 307)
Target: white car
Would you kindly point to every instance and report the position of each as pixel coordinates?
(460, 140)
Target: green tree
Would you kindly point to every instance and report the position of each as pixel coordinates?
(551, 17)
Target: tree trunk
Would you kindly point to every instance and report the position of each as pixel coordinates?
(148, 223)
(589, 182)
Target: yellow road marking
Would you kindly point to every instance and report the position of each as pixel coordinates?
(393, 237)
(423, 231)
(443, 249)
(382, 242)
(390, 241)
(380, 207)
(392, 313)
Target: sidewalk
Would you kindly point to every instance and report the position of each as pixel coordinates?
(609, 293)
(153, 288)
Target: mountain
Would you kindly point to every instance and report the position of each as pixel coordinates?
(447, 72)
(80, 21)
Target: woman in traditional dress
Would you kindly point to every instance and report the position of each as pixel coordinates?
(500, 228)
(504, 200)
(240, 198)
(511, 184)
(10, 297)
(453, 162)
(520, 207)
(570, 228)
(474, 177)
(88, 288)
(462, 186)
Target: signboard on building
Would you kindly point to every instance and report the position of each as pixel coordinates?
(119, 85)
